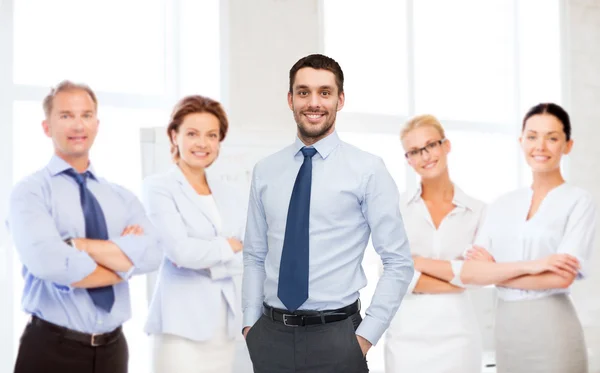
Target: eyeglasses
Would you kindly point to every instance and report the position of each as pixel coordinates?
(432, 146)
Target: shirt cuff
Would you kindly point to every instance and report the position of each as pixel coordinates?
(226, 251)
(218, 271)
(133, 246)
(583, 272)
(251, 316)
(371, 329)
(413, 282)
(126, 275)
(79, 266)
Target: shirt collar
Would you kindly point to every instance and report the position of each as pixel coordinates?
(324, 146)
(57, 165)
(460, 199)
(414, 195)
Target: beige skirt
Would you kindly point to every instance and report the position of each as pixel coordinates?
(175, 354)
(539, 336)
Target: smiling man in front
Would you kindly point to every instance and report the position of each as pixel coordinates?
(313, 206)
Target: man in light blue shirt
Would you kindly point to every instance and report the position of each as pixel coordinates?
(313, 206)
(80, 238)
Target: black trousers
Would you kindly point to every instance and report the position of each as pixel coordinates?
(42, 351)
(326, 348)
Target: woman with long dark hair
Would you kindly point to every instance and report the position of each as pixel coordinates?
(537, 328)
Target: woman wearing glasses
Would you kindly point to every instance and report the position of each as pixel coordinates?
(537, 328)
(435, 329)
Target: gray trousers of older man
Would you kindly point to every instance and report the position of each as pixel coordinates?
(325, 348)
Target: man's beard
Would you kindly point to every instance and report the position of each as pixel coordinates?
(308, 131)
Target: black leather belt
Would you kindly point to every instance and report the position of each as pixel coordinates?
(93, 340)
(304, 318)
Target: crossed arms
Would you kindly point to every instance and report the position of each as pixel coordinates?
(109, 259)
(480, 269)
(91, 263)
(219, 255)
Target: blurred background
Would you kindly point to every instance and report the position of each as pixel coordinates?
(478, 65)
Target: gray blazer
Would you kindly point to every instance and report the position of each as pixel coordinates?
(199, 266)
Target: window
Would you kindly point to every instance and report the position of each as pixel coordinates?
(84, 41)
(476, 158)
(539, 53)
(32, 149)
(477, 66)
(200, 44)
(369, 43)
(464, 64)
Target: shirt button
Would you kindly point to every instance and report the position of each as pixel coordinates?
(99, 322)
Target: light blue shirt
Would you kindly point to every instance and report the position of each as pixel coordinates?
(45, 209)
(353, 196)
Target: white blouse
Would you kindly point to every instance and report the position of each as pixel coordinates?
(455, 234)
(564, 223)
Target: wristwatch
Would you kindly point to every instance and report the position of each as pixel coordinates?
(69, 241)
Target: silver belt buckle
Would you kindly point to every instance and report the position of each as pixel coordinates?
(93, 341)
(285, 318)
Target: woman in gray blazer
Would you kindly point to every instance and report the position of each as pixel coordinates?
(193, 313)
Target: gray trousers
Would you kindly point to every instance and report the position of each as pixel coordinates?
(326, 348)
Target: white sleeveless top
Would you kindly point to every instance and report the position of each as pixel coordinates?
(208, 204)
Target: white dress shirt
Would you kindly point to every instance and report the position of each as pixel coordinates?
(455, 234)
(210, 206)
(434, 333)
(565, 222)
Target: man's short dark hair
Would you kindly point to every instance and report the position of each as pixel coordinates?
(318, 62)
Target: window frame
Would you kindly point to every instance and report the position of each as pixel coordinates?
(390, 124)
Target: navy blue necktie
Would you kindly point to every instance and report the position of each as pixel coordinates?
(95, 228)
(293, 269)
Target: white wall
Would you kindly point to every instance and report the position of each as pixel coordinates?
(264, 38)
(582, 67)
